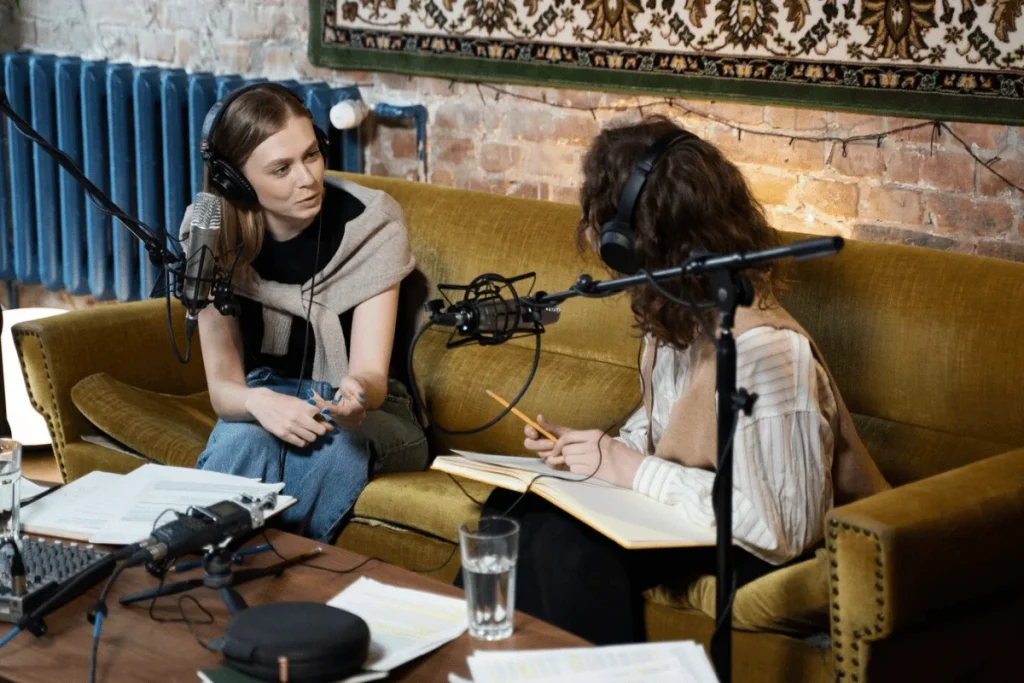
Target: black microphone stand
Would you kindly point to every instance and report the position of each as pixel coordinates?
(159, 254)
(730, 288)
(218, 575)
(171, 263)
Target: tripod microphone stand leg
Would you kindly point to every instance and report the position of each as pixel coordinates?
(235, 602)
(169, 589)
(220, 578)
(246, 575)
(216, 566)
(224, 580)
(218, 575)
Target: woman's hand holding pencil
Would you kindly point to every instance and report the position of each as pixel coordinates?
(588, 452)
(518, 413)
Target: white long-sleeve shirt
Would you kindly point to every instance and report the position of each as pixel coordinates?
(782, 452)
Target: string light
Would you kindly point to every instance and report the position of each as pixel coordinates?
(938, 127)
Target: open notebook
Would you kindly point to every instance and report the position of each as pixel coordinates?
(629, 518)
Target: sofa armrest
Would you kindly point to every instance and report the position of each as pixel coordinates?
(921, 551)
(127, 341)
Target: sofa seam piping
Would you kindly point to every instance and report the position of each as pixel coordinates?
(52, 423)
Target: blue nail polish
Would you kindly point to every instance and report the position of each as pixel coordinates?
(362, 396)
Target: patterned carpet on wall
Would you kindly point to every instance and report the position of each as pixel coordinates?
(931, 58)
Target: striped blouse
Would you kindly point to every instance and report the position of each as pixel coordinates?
(782, 452)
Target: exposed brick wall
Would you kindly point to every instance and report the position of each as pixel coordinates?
(907, 190)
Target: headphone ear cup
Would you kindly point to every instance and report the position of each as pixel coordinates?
(618, 248)
(231, 184)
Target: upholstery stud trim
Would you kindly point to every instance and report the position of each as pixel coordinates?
(859, 636)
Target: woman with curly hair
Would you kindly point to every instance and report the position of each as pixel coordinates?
(795, 455)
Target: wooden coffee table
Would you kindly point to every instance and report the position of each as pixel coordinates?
(135, 648)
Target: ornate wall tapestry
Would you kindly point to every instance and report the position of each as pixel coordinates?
(930, 58)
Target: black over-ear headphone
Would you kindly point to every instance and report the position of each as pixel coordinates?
(228, 180)
(618, 241)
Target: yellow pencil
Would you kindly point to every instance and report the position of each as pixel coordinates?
(521, 416)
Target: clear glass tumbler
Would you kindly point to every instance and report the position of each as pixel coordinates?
(10, 488)
(490, 548)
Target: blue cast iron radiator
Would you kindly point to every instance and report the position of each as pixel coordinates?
(135, 132)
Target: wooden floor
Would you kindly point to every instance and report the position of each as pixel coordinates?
(39, 465)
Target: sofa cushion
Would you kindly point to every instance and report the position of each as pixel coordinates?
(906, 453)
(756, 657)
(83, 457)
(168, 429)
(405, 548)
(791, 600)
(919, 337)
(431, 502)
(574, 390)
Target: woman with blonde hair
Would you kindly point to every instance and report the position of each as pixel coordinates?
(301, 378)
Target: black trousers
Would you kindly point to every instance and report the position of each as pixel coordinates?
(580, 581)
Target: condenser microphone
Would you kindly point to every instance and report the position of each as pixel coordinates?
(204, 232)
(496, 316)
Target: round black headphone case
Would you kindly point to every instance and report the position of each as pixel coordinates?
(321, 643)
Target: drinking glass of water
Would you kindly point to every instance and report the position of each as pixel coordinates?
(10, 488)
(490, 548)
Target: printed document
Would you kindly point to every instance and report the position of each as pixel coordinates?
(119, 509)
(404, 623)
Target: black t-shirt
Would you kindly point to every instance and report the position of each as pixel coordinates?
(295, 261)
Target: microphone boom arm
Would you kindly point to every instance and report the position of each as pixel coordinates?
(159, 254)
(172, 263)
(803, 249)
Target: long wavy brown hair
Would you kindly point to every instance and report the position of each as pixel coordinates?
(695, 199)
(249, 120)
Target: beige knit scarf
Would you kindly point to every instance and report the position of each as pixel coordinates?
(373, 256)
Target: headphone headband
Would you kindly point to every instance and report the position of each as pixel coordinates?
(618, 240)
(217, 111)
(638, 179)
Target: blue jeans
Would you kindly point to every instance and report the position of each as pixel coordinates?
(329, 474)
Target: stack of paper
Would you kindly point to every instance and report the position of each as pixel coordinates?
(120, 509)
(404, 623)
(668, 662)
